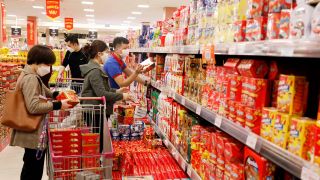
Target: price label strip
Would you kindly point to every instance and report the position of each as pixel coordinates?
(183, 101)
(286, 51)
(252, 140)
(308, 174)
(218, 121)
(198, 110)
(189, 170)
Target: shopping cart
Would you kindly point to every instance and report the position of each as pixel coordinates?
(74, 143)
(75, 84)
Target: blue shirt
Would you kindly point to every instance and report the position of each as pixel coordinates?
(114, 67)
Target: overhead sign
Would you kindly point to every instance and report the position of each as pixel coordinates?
(3, 22)
(93, 35)
(53, 32)
(53, 8)
(31, 31)
(15, 31)
(68, 23)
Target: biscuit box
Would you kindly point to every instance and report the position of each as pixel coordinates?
(70, 95)
(284, 27)
(232, 111)
(267, 123)
(256, 29)
(277, 5)
(234, 88)
(240, 112)
(291, 94)
(255, 93)
(274, 93)
(253, 119)
(315, 139)
(273, 26)
(239, 31)
(281, 129)
(231, 65)
(253, 68)
(274, 71)
(255, 8)
(300, 136)
(257, 167)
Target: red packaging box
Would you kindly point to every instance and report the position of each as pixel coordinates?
(232, 110)
(235, 87)
(70, 95)
(240, 111)
(284, 27)
(63, 163)
(275, 6)
(256, 166)
(128, 120)
(255, 8)
(233, 152)
(219, 174)
(90, 162)
(253, 68)
(273, 26)
(256, 93)
(237, 171)
(90, 149)
(231, 65)
(253, 119)
(274, 71)
(274, 93)
(90, 138)
(239, 31)
(256, 29)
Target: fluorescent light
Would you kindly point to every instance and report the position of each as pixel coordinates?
(88, 10)
(38, 7)
(87, 2)
(130, 17)
(127, 22)
(143, 6)
(21, 19)
(44, 13)
(11, 15)
(136, 12)
(89, 15)
(90, 20)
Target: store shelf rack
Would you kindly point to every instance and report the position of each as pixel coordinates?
(180, 160)
(278, 48)
(289, 162)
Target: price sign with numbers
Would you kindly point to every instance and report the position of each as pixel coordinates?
(218, 121)
(252, 140)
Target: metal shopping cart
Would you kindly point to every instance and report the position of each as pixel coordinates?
(75, 84)
(74, 143)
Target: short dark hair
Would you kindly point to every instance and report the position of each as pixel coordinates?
(72, 38)
(40, 54)
(118, 41)
(93, 49)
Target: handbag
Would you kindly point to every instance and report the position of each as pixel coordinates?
(15, 113)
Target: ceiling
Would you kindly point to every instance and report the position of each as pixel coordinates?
(108, 14)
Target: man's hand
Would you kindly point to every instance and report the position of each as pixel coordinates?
(139, 69)
(122, 90)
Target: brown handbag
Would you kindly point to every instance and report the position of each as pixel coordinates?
(15, 113)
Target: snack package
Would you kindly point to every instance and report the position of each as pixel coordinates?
(281, 129)
(300, 23)
(273, 26)
(255, 8)
(256, 166)
(256, 29)
(300, 141)
(284, 27)
(315, 138)
(315, 22)
(274, 71)
(235, 86)
(70, 95)
(253, 68)
(274, 93)
(240, 112)
(255, 92)
(291, 94)
(239, 31)
(231, 65)
(267, 123)
(253, 120)
(275, 6)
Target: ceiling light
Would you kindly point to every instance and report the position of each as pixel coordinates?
(89, 15)
(89, 10)
(87, 2)
(90, 20)
(136, 12)
(130, 17)
(127, 22)
(143, 6)
(11, 15)
(21, 19)
(44, 13)
(38, 7)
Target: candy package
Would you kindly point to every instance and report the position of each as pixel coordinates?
(256, 29)
(273, 26)
(284, 27)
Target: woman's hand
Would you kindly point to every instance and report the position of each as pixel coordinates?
(122, 90)
(139, 69)
(65, 104)
(127, 96)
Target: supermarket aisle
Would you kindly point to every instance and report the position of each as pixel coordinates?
(11, 163)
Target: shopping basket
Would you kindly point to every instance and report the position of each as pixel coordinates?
(74, 143)
(75, 84)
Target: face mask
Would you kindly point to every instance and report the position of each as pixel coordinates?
(104, 57)
(124, 53)
(43, 70)
(70, 49)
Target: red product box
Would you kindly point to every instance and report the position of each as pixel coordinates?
(253, 119)
(233, 152)
(255, 8)
(237, 171)
(274, 71)
(256, 166)
(70, 95)
(274, 93)
(90, 149)
(61, 163)
(257, 91)
(273, 26)
(284, 27)
(128, 120)
(90, 162)
(219, 174)
(256, 29)
(275, 6)
(232, 110)
(231, 65)
(253, 68)
(234, 88)
(90, 138)
(240, 111)
(239, 31)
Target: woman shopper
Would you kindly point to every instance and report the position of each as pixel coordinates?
(96, 84)
(39, 60)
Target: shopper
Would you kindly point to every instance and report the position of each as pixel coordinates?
(115, 66)
(39, 60)
(96, 84)
(74, 57)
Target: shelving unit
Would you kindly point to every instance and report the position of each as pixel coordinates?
(279, 48)
(290, 162)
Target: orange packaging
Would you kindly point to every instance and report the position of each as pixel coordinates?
(240, 112)
(253, 68)
(281, 130)
(231, 65)
(273, 26)
(234, 88)
(256, 166)
(284, 27)
(300, 141)
(267, 123)
(70, 95)
(315, 153)
(291, 94)
(253, 119)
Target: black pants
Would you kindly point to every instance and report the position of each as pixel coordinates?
(32, 168)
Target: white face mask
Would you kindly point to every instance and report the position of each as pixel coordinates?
(43, 70)
(125, 53)
(70, 49)
(104, 57)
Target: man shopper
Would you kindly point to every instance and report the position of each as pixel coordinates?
(115, 66)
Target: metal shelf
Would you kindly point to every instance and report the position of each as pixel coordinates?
(175, 153)
(276, 48)
(288, 161)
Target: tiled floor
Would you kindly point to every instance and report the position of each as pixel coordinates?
(11, 163)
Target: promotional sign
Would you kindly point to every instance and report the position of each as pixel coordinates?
(68, 23)
(31, 31)
(3, 22)
(53, 8)
(93, 35)
(53, 32)
(15, 31)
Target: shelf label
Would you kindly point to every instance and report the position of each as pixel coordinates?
(181, 49)
(165, 142)
(198, 110)
(232, 50)
(218, 121)
(189, 170)
(252, 140)
(183, 101)
(286, 51)
(308, 174)
(182, 165)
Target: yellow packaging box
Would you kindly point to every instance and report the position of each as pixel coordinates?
(267, 123)
(281, 129)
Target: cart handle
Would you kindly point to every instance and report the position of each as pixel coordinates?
(103, 99)
(75, 79)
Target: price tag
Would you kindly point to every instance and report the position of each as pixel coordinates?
(198, 110)
(189, 170)
(286, 51)
(218, 121)
(183, 101)
(183, 165)
(232, 50)
(308, 174)
(165, 142)
(181, 49)
(252, 140)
